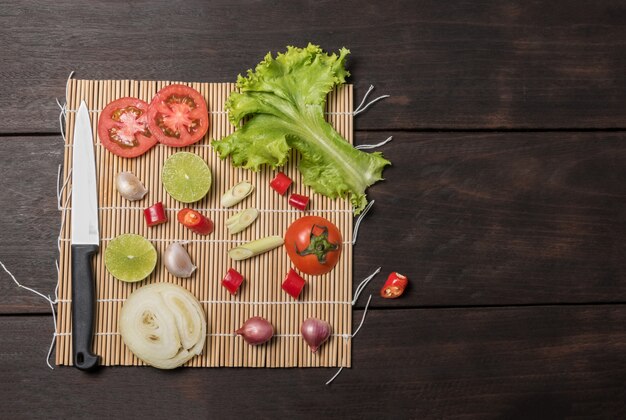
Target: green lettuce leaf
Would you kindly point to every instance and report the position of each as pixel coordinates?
(283, 100)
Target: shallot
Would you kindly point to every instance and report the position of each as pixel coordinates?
(129, 186)
(256, 330)
(315, 332)
(177, 261)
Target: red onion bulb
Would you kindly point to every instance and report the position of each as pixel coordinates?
(315, 332)
(256, 330)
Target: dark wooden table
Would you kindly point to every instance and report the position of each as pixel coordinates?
(505, 203)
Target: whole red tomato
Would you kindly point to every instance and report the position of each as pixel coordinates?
(313, 245)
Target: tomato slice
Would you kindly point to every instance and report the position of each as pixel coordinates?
(123, 128)
(178, 116)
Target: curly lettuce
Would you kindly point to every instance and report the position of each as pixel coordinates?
(283, 102)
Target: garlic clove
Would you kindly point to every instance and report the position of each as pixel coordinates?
(129, 186)
(177, 261)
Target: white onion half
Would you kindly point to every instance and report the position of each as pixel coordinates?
(163, 325)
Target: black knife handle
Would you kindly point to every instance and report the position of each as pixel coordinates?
(83, 297)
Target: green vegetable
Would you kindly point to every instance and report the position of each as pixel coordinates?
(238, 222)
(254, 248)
(237, 193)
(284, 99)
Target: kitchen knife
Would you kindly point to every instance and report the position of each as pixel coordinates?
(85, 240)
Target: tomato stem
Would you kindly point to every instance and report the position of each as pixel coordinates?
(319, 245)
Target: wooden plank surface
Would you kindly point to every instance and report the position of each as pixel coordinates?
(474, 218)
(541, 362)
(458, 64)
(504, 204)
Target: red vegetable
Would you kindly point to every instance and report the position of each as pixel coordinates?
(123, 128)
(313, 245)
(394, 286)
(293, 284)
(298, 201)
(155, 214)
(178, 116)
(280, 183)
(195, 221)
(232, 280)
(315, 332)
(256, 330)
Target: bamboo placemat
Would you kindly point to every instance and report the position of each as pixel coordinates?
(327, 297)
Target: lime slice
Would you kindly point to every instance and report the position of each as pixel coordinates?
(130, 258)
(186, 177)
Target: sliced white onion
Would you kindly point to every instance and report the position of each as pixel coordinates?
(163, 325)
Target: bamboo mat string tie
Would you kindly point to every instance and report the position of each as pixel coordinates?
(63, 108)
(355, 232)
(62, 188)
(63, 213)
(54, 335)
(67, 85)
(362, 285)
(58, 188)
(47, 298)
(21, 285)
(62, 116)
(373, 146)
(367, 305)
(56, 289)
(362, 108)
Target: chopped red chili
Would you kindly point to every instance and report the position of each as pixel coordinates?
(195, 221)
(394, 286)
(232, 280)
(298, 201)
(155, 214)
(293, 284)
(280, 183)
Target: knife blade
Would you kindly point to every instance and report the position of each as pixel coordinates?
(85, 240)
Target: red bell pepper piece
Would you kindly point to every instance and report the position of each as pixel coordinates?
(195, 221)
(155, 214)
(293, 284)
(232, 280)
(280, 183)
(298, 201)
(394, 286)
